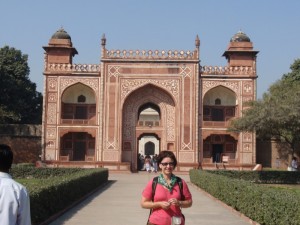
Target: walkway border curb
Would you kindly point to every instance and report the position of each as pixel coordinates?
(55, 216)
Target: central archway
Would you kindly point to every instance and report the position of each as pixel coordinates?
(148, 96)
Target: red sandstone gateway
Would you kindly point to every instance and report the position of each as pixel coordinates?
(138, 101)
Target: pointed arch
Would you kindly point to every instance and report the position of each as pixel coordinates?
(78, 104)
(148, 96)
(219, 104)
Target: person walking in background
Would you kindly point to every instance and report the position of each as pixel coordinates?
(294, 164)
(148, 163)
(170, 194)
(154, 163)
(14, 199)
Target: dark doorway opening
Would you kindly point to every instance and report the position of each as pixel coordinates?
(217, 114)
(149, 148)
(81, 112)
(79, 151)
(217, 152)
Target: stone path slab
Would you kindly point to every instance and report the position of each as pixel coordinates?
(118, 203)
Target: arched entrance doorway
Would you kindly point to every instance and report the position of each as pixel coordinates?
(216, 146)
(148, 144)
(77, 146)
(148, 116)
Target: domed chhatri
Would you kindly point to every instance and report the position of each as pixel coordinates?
(61, 34)
(240, 37)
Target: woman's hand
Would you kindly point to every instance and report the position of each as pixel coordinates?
(148, 204)
(174, 201)
(164, 205)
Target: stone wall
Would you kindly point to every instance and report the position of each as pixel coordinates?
(24, 140)
(273, 154)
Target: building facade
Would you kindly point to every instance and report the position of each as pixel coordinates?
(140, 101)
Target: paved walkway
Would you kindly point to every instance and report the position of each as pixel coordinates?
(118, 203)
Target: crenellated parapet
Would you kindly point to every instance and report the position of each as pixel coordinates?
(150, 55)
(232, 70)
(73, 68)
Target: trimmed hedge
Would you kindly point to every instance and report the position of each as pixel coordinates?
(264, 177)
(54, 189)
(265, 205)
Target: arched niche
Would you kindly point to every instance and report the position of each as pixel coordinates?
(221, 94)
(76, 92)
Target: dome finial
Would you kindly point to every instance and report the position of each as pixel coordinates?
(197, 41)
(61, 34)
(103, 40)
(240, 36)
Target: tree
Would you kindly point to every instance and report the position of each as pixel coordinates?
(294, 75)
(19, 100)
(277, 114)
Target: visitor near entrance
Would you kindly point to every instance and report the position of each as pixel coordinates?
(148, 163)
(168, 196)
(294, 164)
(14, 199)
(154, 163)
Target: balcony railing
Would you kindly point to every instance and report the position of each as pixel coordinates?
(78, 121)
(216, 123)
(142, 123)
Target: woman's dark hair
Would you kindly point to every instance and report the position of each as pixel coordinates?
(6, 158)
(166, 154)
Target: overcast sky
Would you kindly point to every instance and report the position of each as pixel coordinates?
(272, 25)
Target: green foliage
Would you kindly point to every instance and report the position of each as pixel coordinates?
(265, 205)
(262, 177)
(42, 173)
(32, 165)
(277, 114)
(54, 189)
(19, 100)
(294, 75)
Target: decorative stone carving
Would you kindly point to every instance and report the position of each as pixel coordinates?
(186, 146)
(209, 84)
(50, 144)
(247, 137)
(110, 155)
(247, 147)
(247, 99)
(52, 97)
(113, 71)
(51, 133)
(51, 113)
(50, 154)
(128, 86)
(219, 70)
(185, 71)
(61, 67)
(247, 88)
(149, 54)
(247, 158)
(91, 82)
(186, 157)
(52, 84)
(111, 145)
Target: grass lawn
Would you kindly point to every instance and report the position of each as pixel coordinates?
(295, 188)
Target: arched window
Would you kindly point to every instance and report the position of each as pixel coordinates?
(218, 101)
(81, 98)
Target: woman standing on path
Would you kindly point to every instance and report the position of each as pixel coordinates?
(170, 194)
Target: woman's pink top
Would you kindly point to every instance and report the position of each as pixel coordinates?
(161, 216)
